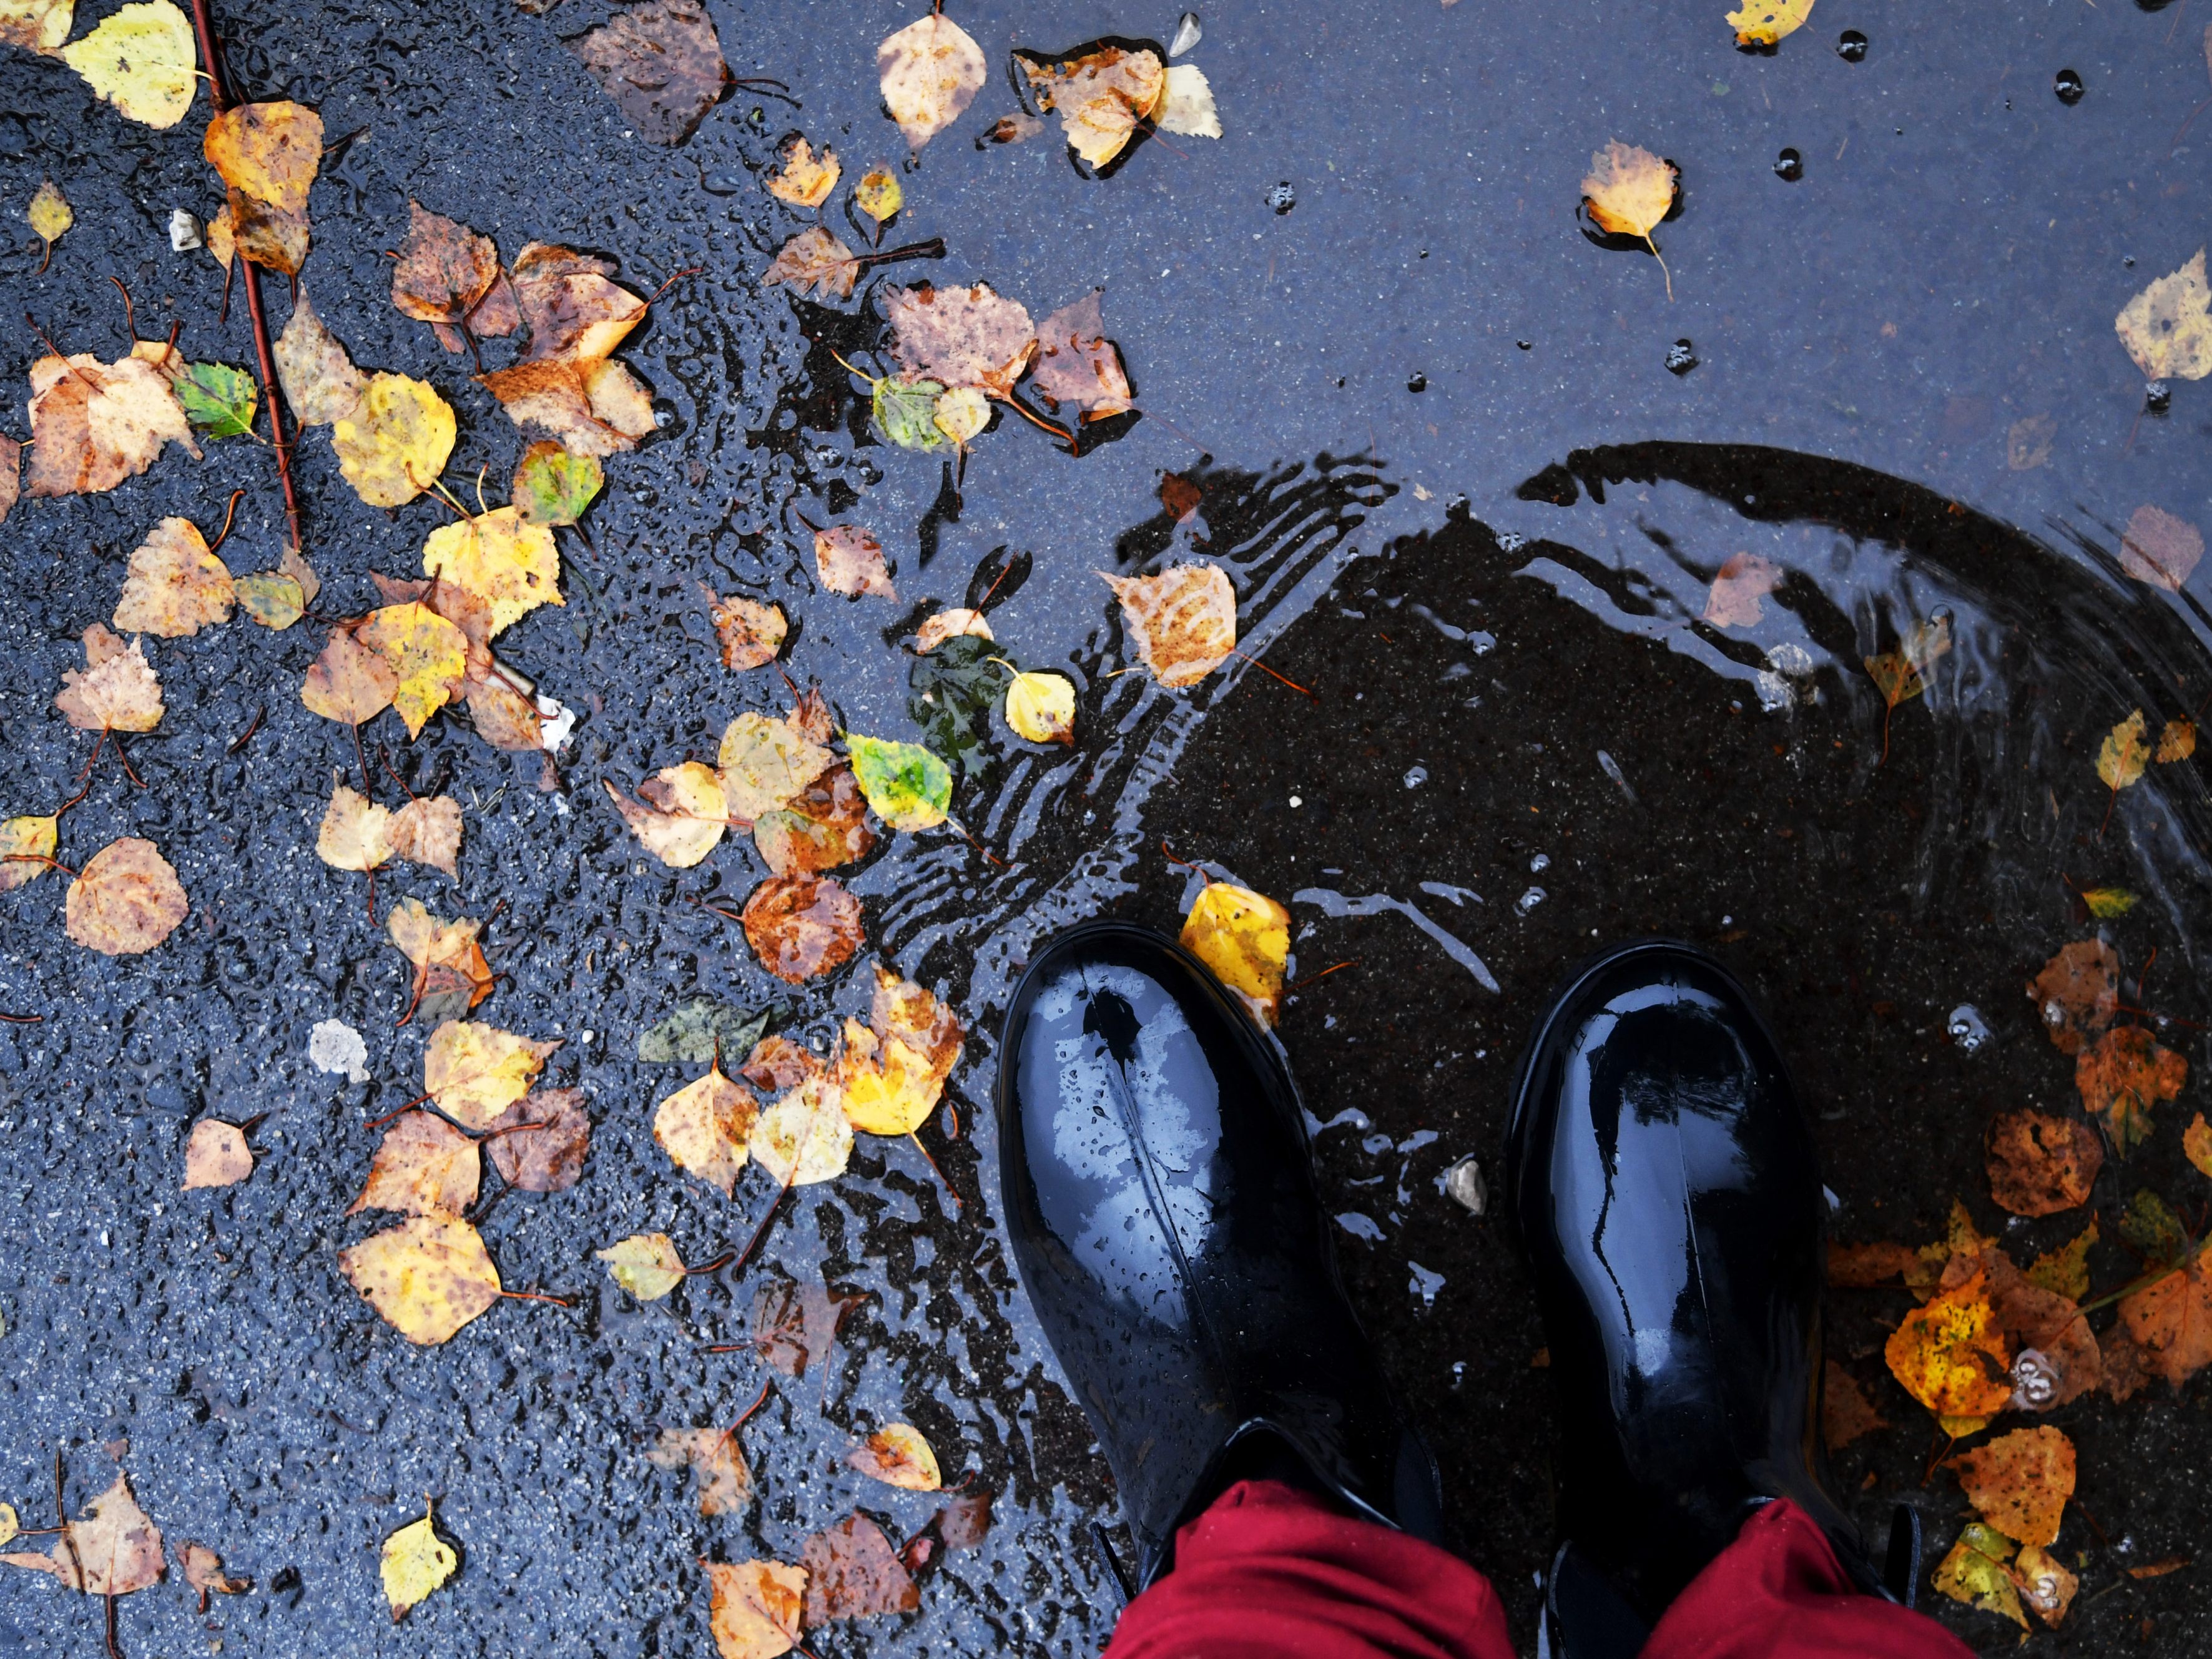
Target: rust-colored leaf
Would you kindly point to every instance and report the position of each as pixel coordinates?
(802, 926)
(539, 1143)
(852, 1573)
(2122, 1077)
(2021, 1482)
(2078, 993)
(2039, 1164)
(1950, 1356)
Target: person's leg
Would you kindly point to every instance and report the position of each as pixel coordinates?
(1159, 1199)
(1664, 1180)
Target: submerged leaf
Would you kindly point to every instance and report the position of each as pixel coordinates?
(1041, 707)
(898, 1456)
(1182, 620)
(750, 632)
(803, 1138)
(2077, 992)
(717, 1463)
(815, 260)
(960, 336)
(661, 63)
(802, 926)
(930, 71)
(1102, 97)
(2160, 549)
(552, 487)
(850, 561)
(807, 180)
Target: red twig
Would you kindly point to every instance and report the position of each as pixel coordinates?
(229, 513)
(536, 1296)
(1292, 683)
(246, 736)
(58, 351)
(126, 759)
(715, 1267)
(23, 1020)
(1351, 962)
(37, 857)
(130, 317)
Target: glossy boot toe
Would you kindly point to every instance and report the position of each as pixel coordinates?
(1665, 1183)
(1159, 1197)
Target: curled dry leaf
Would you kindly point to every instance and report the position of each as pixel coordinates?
(717, 1463)
(2039, 1164)
(2021, 1482)
(807, 180)
(1077, 364)
(908, 787)
(850, 561)
(765, 762)
(1846, 1414)
(143, 59)
(930, 71)
(852, 1573)
(1743, 581)
(951, 624)
(803, 1138)
(538, 1144)
(2160, 549)
(822, 826)
(112, 1549)
(681, 815)
(814, 259)
(94, 424)
(1950, 1354)
(217, 1154)
(1978, 1572)
(1244, 937)
(511, 565)
(422, 1167)
(427, 1278)
(24, 843)
(645, 1264)
(268, 154)
(319, 380)
(115, 692)
(661, 64)
(2122, 1077)
(706, 1126)
(898, 1456)
(2077, 992)
(349, 683)
(1182, 620)
(1101, 97)
(125, 900)
(392, 444)
(428, 830)
(960, 336)
(428, 654)
(2167, 328)
(755, 1608)
(552, 487)
(202, 1570)
(357, 832)
(475, 1073)
(415, 1561)
(175, 586)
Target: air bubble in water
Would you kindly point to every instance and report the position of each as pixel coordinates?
(1681, 358)
(1530, 900)
(2067, 84)
(1966, 1028)
(1790, 166)
(1852, 46)
(1282, 198)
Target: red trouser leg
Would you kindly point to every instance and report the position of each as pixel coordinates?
(1272, 1572)
(1778, 1592)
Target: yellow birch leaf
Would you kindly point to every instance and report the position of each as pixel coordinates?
(1628, 192)
(879, 195)
(898, 1456)
(1244, 937)
(681, 815)
(476, 1072)
(116, 690)
(416, 1562)
(392, 444)
(143, 59)
(427, 1277)
(1042, 707)
(807, 179)
(2020, 1481)
(705, 1127)
(2047, 1588)
(174, 585)
(765, 762)
(1950, 1355)
(50, 215)
(755, 1608)
(430, 656)
(646, 1265)
(1764, 23)
(2125, 753)
(2167, 328)
(1977, 1572)
(512, 567)
(961, 413)
(23, 842)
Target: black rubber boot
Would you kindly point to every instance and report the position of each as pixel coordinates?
(1664, 1180)
(1159, 1196)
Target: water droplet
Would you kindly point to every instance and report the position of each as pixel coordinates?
(1282, 198)
(1852, 46)
(1790, 166)
(724, 184)
(1417, 383)
(2068, 86)
(1416, 777)
(1542, 861)
(1966, 1028)
(1681, 358)
(1530, 900)
(2157, 396)
(1526, 345)
(1189, 33)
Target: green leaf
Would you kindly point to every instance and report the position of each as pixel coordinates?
(552, 487)
(2108, 901)
(272, 598)
(951, 695)
(906, 413)
(1974, 1573)
(216, 399)
(691, 1032)
(2150, 1226)
(909, 787)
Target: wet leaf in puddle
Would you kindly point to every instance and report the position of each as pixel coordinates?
(765, 762)
(94, 424)
(661, 64)
(751, 632)
(1182, 620)
(422, 1167)
(115, 692)
(2021, 1482)
(755, 1608)
(125, 900)
(476, 1072)
(538, 1144)
(2170, 1322)
(574, 310)
(961, 413)
(427, 1278)
(908, 787)
(794, 1325)
(1102, 97)
(2125, 753)
(1628, 192)
(25, 842)
(879, 196)
(852, 1573)
(175, 586)
(898, 1456)
(444, 270)
(2065, 1271)
(392, 444)
(699, 1031)
(2077, 992)
(1743, 581)
(645, 1264)
(112, 1549)
(706, 1128)
(717, 1463)
(451, 974)
(807, 178)
(2039, 1164)
(1900, 675)
(850, 561)
(1041, 707)
(963, 1522)
(681, 814)
(552, 487)
(777, 1064)
(891, 1072)
(2122, 1077)
(1077, 364)
(1244, 937)
(2160, 549)
(905, 411)
(1949, 1355)
(803, 1138)
(2105, 903)
(1846, 1414)
(2177, 741)
(143, 59)
(414, 1562)
(1978, 1572)
(318, 379)
(2197, 1143)
(1187, 108)
(951, 624)
(929, 71)
(2167, 328)
(1179, 496)
(2047, 1588)
(217, 1154)
(960, 336)
(821, 828)
(814, 259)
(593, 406)
(1764, 23)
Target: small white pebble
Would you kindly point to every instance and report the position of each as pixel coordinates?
(184, 232)
(1297, 800)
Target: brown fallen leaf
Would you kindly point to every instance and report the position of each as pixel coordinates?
(717, 1463)
(25, 844)
(268, 154)
(1077, 364)
(778, 1065)
(115, 692)
(593, 406)
(574, 310)
(1182, 621)
(2169, 1322)
(852, 1573)
(111, 1550)
(1102, 97)
(2123, 1077)
(423, 1166)
(217, 1154)
(1627, 191)
(2056, 1358)
(1902, 675)
(175, 586)
(2021, 1482)
(949, 625)
(850, 561)
(2160, 1569)
(428, 830)
(960, 336)
(2039, 1164)
(807, 180)
(444, 272)
(1846, 1414)
(427, 1278)
(756, 1608)
(794, 1325)
(202, 1570)
(751, 632)
(1179, 496)
(451, 974)
(2160, 549)
(538, 1144)
(802, 926)
(822, 826)
(349, 683)
(929, 72)
(125, 900)
(2077, 992)
(705, 1127)
(814, 259)
(661, 64)
(898, 1456)
(1744, 579)
(504, 717)
(94, 424)
(12, 474)
(318, 379)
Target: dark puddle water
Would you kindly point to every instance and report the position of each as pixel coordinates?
(1909, 302)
